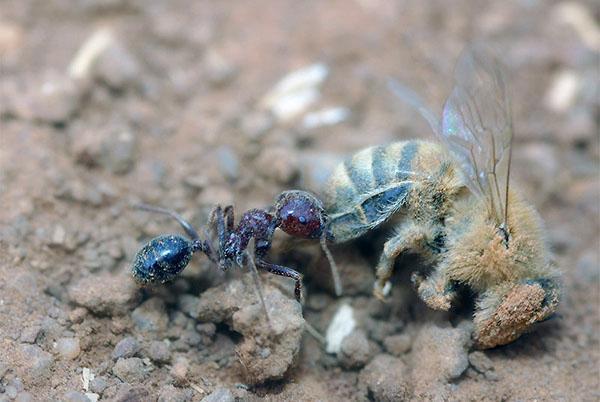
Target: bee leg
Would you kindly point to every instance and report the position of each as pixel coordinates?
(435, 290)
(506, 311)
(410, 236)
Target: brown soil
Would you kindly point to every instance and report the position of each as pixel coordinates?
(169, 113)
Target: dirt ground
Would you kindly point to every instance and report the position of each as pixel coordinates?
(107, 103)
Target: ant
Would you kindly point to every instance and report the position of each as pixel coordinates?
(297, 213)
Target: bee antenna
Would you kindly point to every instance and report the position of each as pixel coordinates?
(335, 274)
(507, 181)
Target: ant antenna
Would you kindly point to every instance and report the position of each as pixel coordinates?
(335, 274)
(184, 224)
(256, 279)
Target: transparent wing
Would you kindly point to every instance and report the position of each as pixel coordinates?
(477, 126)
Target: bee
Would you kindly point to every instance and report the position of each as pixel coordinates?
(454, 206)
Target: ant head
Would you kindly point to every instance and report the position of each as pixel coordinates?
(301, 214)
(162, 258)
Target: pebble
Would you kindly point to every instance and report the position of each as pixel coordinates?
(386, 378)
(159, 352)
(130, 370)
(52, 98)
(219, 395)
(75, 396)
(38, 363)
(98, 385)
(229, 164)
(68, 348)
(151, 316)
(30, 334)
(480, 362)
(117, 67)
(341, 325)
(444, 348)
(179, 370)
(219, 71)
(128, 393)
(127, 347)
(106, 293)
(119, 151)
(25, 397)
(278, 164)
(170, 393)
(189, 304)
(398, 345)
(355, 350)
(255, 125)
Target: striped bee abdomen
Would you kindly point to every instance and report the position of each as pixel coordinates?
(368, 188)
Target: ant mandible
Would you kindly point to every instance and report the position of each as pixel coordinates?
(298, 213)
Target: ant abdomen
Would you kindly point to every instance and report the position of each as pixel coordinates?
(162, 258)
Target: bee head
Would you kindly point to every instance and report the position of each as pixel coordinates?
(301, 214)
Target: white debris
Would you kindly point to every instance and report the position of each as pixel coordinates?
(89, 53)
(294, 93)
(86, 377)
(580, 19)
(341, 326)
(92, 397)
(563, 91)
(325, 117)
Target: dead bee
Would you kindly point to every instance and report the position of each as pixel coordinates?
(454, 206)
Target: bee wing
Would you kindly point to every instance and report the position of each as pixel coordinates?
(477, 126)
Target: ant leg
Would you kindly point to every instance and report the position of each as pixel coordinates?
(257, 284)
(283, 271)
(228, 212)
(184, 224)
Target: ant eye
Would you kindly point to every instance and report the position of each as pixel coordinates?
(300, 214)
(162, 259)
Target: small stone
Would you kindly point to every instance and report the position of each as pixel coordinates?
(98, 385)
(151, 316)
(229, 164)
(386, 378)
(189, 304)
(119, 151)
(58, 237)
(355, 350)
(159, 352)
(398, 345)
(128, 393)
(170, 393)
(117, 67)
(130, 370)
(278, 164)
(68, 348)
(38, 363)
(256, 124)
(127, 347)
(180, 369)
(219, 395)
(480, 362)
(24, 397)
(74, 396)
(51, 98)
(219, 71)
(30, 334)
(207, 331)
(444, 348)
(105, 294)
(77, 315)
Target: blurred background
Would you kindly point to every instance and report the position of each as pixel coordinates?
(187, 104)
